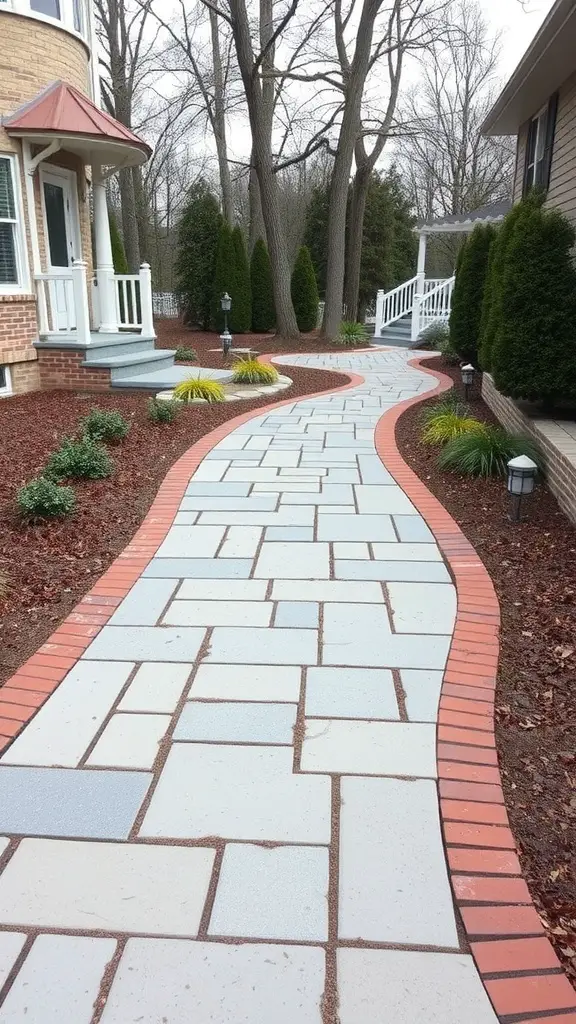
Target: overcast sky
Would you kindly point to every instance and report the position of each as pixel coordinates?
(519, 24)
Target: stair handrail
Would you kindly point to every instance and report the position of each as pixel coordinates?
(435, 304)
(395, 304)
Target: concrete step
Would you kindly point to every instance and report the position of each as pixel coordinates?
(131, 363)
(103, 346)
(163, 378)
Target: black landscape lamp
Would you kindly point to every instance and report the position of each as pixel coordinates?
(521, 479)
(467, 372)
(226, 338)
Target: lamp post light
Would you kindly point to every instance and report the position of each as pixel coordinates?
(467, 372)
(226, 337)
(521, 479)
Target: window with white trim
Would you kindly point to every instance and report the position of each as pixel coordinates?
(11, 228)
(5, 381)
(71, 14)
(539, 146)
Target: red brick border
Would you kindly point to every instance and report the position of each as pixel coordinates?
(517, 963)
(25, 692)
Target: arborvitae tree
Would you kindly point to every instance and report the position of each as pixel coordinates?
(241, 314)
(534, 351)
(305, 291)
(468, 293)
(197, 244)
(224, 276)
(118, 254)
(316, 232)
(263, 312)
(492, 302)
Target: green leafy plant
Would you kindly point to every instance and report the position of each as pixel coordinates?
(305, 291)
(199, 387)
(104, 425)
(444, 427)
(81, 458)
(436, 335)
(485, 452)
(351, 335)
(162, 411)
(44, 499)
(250, 371)
(185, 355)
(468, 295)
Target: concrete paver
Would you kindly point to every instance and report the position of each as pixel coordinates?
(239, 775)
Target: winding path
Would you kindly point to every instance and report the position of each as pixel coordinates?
(227, 811)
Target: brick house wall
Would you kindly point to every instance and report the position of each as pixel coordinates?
(32, 56)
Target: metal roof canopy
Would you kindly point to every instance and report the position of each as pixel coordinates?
(463, 223)
(62, 117)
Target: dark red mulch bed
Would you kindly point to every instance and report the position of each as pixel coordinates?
(172, 334)
(50, 567)
(533, 567)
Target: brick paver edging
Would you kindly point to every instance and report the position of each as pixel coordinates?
(24, 693)
(517, 963)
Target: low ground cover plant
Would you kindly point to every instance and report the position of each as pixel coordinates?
(485, 452)
(185, 355)
(351, 334)
(199, 387)
(160, 411)
(250, 371)
(44, 499)
(445, 426)
(81, 458)
(435, 335)
(104, 425)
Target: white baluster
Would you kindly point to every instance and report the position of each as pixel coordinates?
(81, 305)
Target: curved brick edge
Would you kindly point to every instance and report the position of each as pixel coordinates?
(517, 963)
(26, 691)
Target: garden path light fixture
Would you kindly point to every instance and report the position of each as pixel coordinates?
(521, 479)
(467, 372)
(226, 337)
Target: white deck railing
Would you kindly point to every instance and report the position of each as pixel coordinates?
(134, 305)
(62, 298)
(436, 304)
(393, 305)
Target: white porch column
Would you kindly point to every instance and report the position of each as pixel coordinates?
(419, 286)
(104, 258)
(146, 304)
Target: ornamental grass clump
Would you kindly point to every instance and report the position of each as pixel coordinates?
(351, 334)
(250, 371)
(81, 458)
(443, 427)
(162, 411)
(199, 387)
(450, 404)
(104, 425)
(44, 499)
(486, 452)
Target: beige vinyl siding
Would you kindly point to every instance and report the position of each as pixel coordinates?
(562, 189)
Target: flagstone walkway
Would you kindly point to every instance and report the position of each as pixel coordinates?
(227, 811)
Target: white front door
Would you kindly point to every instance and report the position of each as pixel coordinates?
(61, 232)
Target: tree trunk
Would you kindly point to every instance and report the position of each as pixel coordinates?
(355, 78)
(219, 122)
(262, 151)
(257, 228)
(354, 241)
(129, 220)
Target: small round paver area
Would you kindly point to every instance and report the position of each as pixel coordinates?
(227, 809)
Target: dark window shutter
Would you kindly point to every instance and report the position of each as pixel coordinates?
(529, 155)
(544, 177)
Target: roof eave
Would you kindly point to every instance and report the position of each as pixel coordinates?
(86, 142)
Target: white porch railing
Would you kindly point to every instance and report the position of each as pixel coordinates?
(393, 305)
(434, 306)
(63, 303)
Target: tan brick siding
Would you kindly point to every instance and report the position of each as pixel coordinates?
(18, 328)
(25, 377)
(559, 454)
(61, 369)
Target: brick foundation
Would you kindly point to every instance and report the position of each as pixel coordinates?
(63, 369)
(556, 441)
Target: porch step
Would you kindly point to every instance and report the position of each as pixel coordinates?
(130, 364)
(398, 334)
(163, 378)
